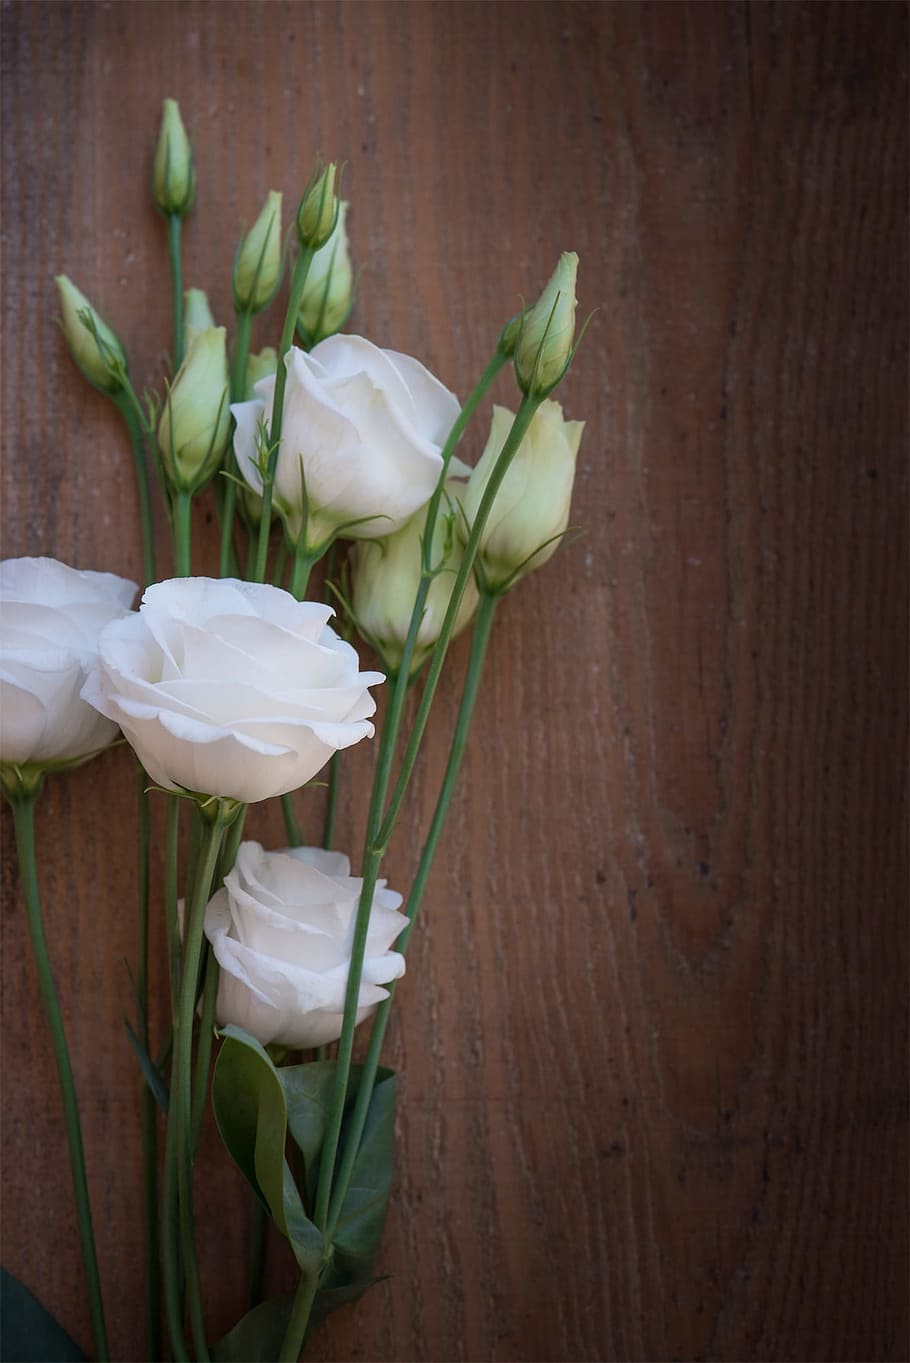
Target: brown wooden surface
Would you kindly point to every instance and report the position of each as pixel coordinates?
(652, 1040)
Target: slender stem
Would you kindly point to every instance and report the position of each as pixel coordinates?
(172, 924)
(281, 562)
(331, 804)
(291, 826)
(136, 432)
(170, 1237)
(23, 806)
(183, 502)
(483, 624)
(206, 1037)
(523, 419)
(257, 1254)
(174, 234)
(303, 1304)
(181, 1106)
(298, 284)
(148, 1105)
(238, 389)
(303, 566)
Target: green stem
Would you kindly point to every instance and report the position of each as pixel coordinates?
(136, 432)
(206, 1037)
(303, 1303)
(174, 234)
(374, 846)
(298, 284)
(181, 1105)
(257, 1254)
(170, 1238)
(331, 805)
(523, 419)
(238, 389)
(291, 826)
(183, 502)
(148, 1105)
(480, 638)
(23, 806)
(303, 566)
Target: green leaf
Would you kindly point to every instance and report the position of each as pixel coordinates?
(308, 1094)
(328, 1299)
(258, 1336)
(28, 1333)
(150, 1073)
(251, 1114)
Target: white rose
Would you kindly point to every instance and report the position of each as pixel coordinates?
(231, 688)
(367, 425)
(50, 620)
(282, 929)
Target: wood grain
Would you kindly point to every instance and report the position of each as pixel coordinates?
(653, 1036)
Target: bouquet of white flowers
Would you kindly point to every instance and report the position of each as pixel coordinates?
(238, 689)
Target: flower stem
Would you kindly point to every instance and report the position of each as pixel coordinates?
(181, 1105)
(480, 638)
(206, 1037)
(148, 1105)
(238, 386)
(183, 502)
(331, 804)
(291, 826)
(298, 284)
(136, 432)
(23, 807)
(174, 235)
(300, 1315)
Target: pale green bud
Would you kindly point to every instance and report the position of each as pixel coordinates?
(259, 263)
(329, 288)
(197, 316)
(318, 209)
(260, 366)
(196, 417)
(386, 575)
(544, 345)
(530, 512)
(173, 173)
(93, 344)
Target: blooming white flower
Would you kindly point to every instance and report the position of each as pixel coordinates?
(50, 620)
(531, 508)
(365, 426)
(231, 688)
(282, 930)
(385, 575)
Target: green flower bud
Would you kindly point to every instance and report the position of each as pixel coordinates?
(530, 512)
(197, 316)
(260, 366)
(94, 346)
(508, 337)
(544, 345)
(385, 578)
(318, 209)
(328, 294)
(196, 417)
(259, 263)
(173, 174)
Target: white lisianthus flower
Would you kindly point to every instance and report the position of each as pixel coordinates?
(282, 929)
(50, 620)
(364, 426)
(531, 509)
(329, 286)
(231, 688)
(385, 576)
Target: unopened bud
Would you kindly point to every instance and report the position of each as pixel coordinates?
(530, 512)
(261, 366)
(318, 209)
(173, 175)
(259, 263)
(196, 418)
(508, 337)
(544, 344)
(197, 316)
(93, 344)
(385, 578)
(328, 294)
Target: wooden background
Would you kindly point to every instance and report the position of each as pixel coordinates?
(652, 1039)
